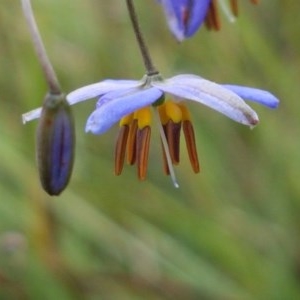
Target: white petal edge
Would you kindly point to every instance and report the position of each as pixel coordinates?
(31, 115)
(87, 92)
(100, 88)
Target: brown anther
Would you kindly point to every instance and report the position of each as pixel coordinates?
(120, 148)
(142, 151)
(255, 1)
(172, 131)
(212, 19)
(234, 7)
(131, 142)
(190, 141)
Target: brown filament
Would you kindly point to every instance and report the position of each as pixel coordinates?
(173, 138)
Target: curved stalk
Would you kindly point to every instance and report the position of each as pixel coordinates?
(47, 68)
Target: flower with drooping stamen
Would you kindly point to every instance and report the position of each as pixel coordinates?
(185, 17)
(129, 102)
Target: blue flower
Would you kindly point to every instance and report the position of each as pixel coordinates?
(118, 98)
(129, 102)
(185, 17)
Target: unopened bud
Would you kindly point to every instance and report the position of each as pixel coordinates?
(55, 144)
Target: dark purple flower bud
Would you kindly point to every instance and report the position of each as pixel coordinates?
(55, 144)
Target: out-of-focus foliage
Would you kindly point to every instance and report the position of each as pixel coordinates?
(231, 232)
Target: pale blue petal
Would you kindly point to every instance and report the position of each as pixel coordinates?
(112, 111)
(100, 88)
(184, 78)
(256, 95)
(111, 96)
(247, 93)
(210, 94)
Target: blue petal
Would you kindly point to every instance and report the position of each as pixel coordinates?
(100, 88)
(184, 17)
(210, 94)
(112, 110)
(173, 15)
(197, 11)
(256, 95)
(111, 96)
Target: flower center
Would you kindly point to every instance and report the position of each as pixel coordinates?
(134, 138)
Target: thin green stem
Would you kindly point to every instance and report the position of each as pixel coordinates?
(151, 70)
(47, 68)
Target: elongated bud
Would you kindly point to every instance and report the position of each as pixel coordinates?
(55, 144)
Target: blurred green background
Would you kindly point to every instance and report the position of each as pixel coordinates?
(230, 232)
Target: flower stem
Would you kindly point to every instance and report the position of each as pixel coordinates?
(47, 68)
(151, 70)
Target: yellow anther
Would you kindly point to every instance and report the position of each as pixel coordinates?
(186, 116)
(162, 114)
(126, 120)
(173, 111)
(143, 116)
